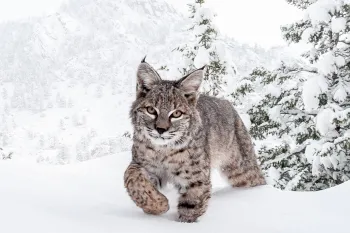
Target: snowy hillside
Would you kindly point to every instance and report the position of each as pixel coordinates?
(67, 80)
(89, 197)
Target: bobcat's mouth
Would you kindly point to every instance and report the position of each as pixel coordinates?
(160, 139)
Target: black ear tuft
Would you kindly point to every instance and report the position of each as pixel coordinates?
(144, 59)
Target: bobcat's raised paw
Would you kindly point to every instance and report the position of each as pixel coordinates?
(158, 206)
(143, 192)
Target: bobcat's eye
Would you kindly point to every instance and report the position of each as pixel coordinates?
(176, 114)
(151, 111)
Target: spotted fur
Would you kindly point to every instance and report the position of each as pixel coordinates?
(183, 150)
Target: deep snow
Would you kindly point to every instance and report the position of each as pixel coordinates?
(90, 197)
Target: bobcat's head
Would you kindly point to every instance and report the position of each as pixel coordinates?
(164, 111)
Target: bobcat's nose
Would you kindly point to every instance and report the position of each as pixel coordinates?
(161, 130)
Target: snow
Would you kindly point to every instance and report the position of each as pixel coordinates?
(311, 150)
(316, 154)
(90, 197)
(202, 57)
(317, 14)
(338, 24)
(339, 61)
(200, 29)
(275, 113)
(316, 166)
(334, 161)
(326, 63)
(273, 89)
(204, 13)
(310, 94)
(312, 88)
(325, 160)
(318, 11)
(324, 121)
(273, 175)
(306, 34)
(342, 115)
(340, 94)
(221, 50)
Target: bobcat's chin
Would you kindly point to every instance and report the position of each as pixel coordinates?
(161, 141)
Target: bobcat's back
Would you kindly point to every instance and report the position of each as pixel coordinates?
(227, 139)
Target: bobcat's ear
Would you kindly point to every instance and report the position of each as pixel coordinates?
(191, 83)
(147, 77)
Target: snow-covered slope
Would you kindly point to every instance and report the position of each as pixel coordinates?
(67, 80)
(90, 197)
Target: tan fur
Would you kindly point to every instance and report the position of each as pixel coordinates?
(143, 192)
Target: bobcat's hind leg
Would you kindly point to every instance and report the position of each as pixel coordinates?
(243, 169)
(243, 175)
(143, 191)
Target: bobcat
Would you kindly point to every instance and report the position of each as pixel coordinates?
(179, 135)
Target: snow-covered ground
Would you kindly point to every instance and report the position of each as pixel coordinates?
(90, 197)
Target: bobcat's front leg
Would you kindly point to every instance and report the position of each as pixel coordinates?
(143, 192)
(194, 202)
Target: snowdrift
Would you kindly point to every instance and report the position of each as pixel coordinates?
(90, 197)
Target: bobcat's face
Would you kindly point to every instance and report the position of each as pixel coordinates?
(164, 115)
(163, 110)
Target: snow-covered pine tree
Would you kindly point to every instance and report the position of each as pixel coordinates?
(279, 124)
(303, 116)
(203, 49)
(327, 28)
